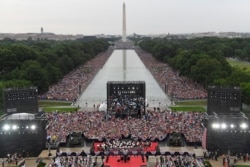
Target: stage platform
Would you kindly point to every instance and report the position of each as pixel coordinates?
(134, 161)
(153, 147)
(191, 150)
(113, 161)
(45, 153)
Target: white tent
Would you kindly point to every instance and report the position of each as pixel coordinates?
(103, 107)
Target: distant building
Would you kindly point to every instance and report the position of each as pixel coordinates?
(41, 30)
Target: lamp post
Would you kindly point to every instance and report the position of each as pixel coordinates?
(159, 106)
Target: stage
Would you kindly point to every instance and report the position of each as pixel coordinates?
(152, 148)
(113, 160)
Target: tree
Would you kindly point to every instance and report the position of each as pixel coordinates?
(8, 60)
(33, 72)
(245, 92)
(202, 59)
(43, 60)
(206, 70)
(65, 64)
(237, 77)
(53, 73)
(23, 52)
(32, 60)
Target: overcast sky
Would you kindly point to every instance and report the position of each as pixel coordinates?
(91, 17)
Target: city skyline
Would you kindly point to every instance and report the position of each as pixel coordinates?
(91, 17)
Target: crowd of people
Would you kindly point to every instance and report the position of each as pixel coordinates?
(118, 144)
(180, 160)
(73, 161)
(154, 125)
(177, 87)
(128, 104)
(77, 80)
(15, 159)
(93, 124)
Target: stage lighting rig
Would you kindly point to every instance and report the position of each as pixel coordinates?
(232, 126)
(33, 127)
(243, 125)
(217, 126)
(223, 126)
(13, 127)
(6, 127)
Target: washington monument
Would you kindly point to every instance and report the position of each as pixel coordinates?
(124, 37)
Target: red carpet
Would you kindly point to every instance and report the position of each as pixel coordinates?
(96, 146)
(152, 147)
(135, 161)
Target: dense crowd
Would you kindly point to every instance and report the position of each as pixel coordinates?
(122, 145)
(130, 104)
(154, 125)
(73, 161)
(77, 80)
(177, 87)
(15, 159)
(180, 160)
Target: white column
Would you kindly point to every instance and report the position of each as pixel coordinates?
(124, 38)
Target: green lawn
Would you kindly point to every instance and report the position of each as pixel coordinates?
(241, 64)
(192, 105)
(188, 108)
(49, 103)
(60, 109)
(192, 102)
(59, 106)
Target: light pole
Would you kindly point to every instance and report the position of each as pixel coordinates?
(159, 106)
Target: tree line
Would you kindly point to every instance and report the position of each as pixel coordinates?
(44, 62)
(204, 59)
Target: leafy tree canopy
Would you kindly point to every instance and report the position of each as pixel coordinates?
(204, 59)
(42, 63)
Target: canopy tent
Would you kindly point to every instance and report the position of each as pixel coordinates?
(103, 107)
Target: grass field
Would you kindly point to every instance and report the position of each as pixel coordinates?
(59, 106)
(188, 108)
(193, 105)
(60, 109)
(241, 64)
(49, 103)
